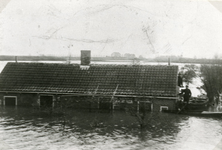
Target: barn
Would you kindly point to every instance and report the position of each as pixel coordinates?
(93, 86)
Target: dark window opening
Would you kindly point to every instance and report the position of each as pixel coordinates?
(46, 101)
(144, 106)
(105, 104)
(10, 101)
(180, 81)
(162, 108)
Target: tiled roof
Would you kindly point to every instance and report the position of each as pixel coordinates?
(142, 80)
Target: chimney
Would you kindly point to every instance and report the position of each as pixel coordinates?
(168, 61)
(85, 57)
(16, 59)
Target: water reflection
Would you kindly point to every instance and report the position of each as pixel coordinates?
(22, 128)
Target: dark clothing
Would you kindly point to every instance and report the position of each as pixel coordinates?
(186, 95)
(180, 81)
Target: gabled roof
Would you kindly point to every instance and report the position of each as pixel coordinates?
(142, 80)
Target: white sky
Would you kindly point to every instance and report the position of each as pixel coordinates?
(191, 28)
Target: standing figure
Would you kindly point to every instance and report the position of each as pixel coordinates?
(180, 80)
(186, 94)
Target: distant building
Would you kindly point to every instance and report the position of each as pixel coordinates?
(111, 86)
(127, 55)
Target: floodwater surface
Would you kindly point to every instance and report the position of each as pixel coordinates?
(26, 129)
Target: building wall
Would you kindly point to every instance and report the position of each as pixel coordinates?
(121, 103)
(170, 104)
(87, 102)
(78, 102)
(28, 100)
(22, 99)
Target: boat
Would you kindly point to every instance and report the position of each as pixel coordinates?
(197, 107)
(197, 113)
(193, 105)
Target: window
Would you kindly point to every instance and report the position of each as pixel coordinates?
(163, 108)
(10, 101)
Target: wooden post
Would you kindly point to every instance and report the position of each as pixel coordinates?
(98, 102)
(168, 61)
(112, 104)
(3, 101)
(151, 107)
(38, 99)
(152, 101)
(53, 101)
(138, 106)
(112, 98)
(16, 59)
(95, 90)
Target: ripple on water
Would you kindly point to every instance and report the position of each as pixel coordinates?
(117, 132)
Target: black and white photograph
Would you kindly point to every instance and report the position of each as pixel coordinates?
(110, 74)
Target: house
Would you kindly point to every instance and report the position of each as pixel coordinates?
(94, 86)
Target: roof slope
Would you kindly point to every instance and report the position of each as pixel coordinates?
(140, 80)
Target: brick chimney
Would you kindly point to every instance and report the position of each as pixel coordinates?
(168, 61)
(85, 57)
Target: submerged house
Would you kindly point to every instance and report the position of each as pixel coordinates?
(89, 86)
(106, 86)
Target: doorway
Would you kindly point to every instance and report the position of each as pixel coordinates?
(145, 106)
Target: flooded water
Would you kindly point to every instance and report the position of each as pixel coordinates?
(26, 129)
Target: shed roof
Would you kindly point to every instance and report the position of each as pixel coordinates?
(140, 80)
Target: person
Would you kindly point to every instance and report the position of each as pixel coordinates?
(186, 94)
(180, 80)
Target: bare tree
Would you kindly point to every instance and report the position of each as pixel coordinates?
(212, 80)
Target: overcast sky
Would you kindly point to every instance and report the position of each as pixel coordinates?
(191, 28)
